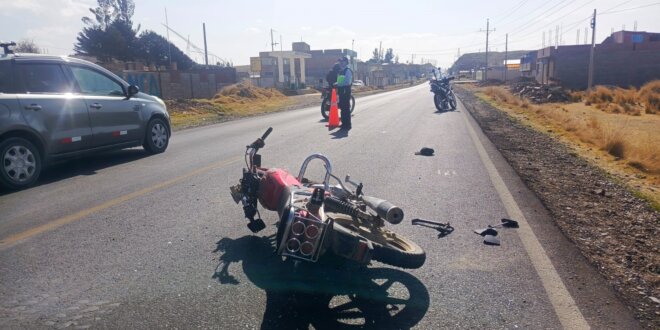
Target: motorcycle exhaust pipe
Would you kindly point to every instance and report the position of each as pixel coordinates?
(386, 210)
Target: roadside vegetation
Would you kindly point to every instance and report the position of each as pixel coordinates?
(618, 129)
(238, 100)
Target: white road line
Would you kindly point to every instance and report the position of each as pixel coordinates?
(567, 311)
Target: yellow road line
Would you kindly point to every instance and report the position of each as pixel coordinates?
(51, 225)
(565, 307)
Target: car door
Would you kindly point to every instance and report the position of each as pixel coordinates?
(49, 107)
(114, 118)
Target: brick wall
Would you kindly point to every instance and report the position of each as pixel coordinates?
(179, 84)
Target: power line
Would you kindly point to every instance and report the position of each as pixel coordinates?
(628, 9)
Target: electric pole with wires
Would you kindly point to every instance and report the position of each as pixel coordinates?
(590, 81)
(488, 30)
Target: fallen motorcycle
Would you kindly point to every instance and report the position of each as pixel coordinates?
(319, 218)
(443, 96)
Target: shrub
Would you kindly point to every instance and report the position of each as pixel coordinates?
(649, 96)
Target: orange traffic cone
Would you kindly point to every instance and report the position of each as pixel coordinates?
(333, 121)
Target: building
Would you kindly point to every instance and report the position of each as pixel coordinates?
(625, 58)
(297, 68)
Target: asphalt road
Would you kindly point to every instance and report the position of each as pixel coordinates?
(123, 240)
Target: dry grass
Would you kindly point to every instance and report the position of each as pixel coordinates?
(614, 100)
(649, 96)
(232, 101)
(635, 140)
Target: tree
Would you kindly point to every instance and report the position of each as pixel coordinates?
(375, 58)
(396, 59)
(389, 55)
(110, 33)
(104, 14)
(27, 46)
(117, 41)
(153, 49)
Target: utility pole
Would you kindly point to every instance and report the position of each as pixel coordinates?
(169, 48)
(272, 42)
(586, 33)
(380, 52)
(206, 50)
(543, 40)
(550, 38)
(506, 54)
(280, 43)
(488, 30)
(577, 39)
(590, 82)
(557, 37)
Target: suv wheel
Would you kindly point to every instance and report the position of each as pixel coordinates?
(157, 136)
(20, 163)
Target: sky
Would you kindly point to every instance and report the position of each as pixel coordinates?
(419, 30)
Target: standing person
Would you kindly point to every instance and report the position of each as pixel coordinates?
(344, 83)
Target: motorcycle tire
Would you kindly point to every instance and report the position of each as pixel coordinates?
(325, 106)
(437, 100)
(395, 250)
(452, 101)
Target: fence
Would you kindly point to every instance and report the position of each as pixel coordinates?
(175, 84)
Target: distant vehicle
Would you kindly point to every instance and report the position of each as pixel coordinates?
(55, 108)
(358, 83)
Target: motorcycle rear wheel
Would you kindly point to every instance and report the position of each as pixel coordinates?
(389, 248)
(452, 101)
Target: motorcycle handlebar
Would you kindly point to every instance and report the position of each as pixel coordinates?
(260, 142)
(268, 131)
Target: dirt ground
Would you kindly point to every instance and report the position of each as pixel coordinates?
(617, 231)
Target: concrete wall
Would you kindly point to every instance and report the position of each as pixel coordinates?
(621, 65)
(179, 84)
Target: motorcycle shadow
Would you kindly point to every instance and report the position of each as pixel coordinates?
(330, 294)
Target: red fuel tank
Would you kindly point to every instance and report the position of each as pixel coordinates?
(275, 183)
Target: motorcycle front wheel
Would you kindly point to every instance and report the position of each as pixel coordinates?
(389, 248)
(325, 106)
(440, 104)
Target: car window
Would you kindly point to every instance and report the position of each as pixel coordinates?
(95, 83)
(43, 78)
(5, 77)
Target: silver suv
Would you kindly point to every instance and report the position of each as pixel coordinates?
(53, 108)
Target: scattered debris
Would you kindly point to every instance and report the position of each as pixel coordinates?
(538, 93)
(486, 231)
(444, 229)
(490, 234)
(425, 152)
(491, 240)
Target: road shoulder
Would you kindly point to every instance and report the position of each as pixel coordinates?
(605, 229)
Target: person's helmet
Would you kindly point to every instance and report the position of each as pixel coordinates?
(336, 67)
(343, 59)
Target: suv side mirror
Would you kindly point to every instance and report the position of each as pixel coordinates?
(132, 90)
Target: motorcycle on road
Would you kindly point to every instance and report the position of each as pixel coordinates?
(325, 102)
(317, 218)
(443, 96)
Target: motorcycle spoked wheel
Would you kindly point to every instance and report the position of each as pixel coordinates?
(325, 106)
(389, 248)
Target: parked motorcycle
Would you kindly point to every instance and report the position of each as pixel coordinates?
(319, 218)
(443, 96)
(326, 94)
